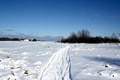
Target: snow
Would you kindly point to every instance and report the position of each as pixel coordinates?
(58, 67)
(58, 61)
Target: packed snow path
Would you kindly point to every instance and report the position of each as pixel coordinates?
(58, 67)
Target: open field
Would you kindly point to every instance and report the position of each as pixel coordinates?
(58, 61)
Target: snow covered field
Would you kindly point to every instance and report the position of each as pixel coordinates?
(57, 61)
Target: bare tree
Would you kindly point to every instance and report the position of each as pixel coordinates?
(84, 34)
(72, 38)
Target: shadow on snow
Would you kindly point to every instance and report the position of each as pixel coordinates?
(112, 61)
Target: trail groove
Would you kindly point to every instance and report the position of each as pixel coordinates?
(58, 67)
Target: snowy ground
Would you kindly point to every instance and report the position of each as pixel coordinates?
(56, 61)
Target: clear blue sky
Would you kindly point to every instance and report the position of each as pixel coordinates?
(59, 17)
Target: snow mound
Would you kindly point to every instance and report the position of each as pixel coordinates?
(58, 67)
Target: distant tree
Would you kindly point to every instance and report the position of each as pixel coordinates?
(15, 39)
(34, 40)
(72, 38)
(9, 39)
(106, 39)
(84, 34)
(4, 39)
(114, 38)
(99, 39)
(62, 40)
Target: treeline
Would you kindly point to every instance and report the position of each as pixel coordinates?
(9, 39)
(84, 36)
(15, 39)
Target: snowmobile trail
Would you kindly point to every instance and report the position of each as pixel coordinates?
(58, 67)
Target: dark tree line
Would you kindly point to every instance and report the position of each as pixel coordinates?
(9, 39)
(14, 39)
(84, 36)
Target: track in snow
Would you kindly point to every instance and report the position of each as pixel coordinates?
(58, 67)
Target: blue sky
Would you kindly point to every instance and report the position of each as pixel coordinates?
(59, 17)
